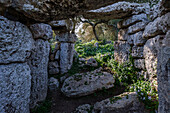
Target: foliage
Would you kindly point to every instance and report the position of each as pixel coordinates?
(89, 49)
(44, 107)
(125, 73)
(147, 94)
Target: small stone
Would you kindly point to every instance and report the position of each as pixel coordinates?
(83, 109)
(53, 84)
(53, 67)
(92, 62)
(137, 52)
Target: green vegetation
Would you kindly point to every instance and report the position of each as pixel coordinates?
(43, 107)
(146, 94)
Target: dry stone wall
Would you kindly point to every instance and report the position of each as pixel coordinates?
(61, 58)
(147, 41)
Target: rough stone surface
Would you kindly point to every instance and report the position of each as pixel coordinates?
(53, 84)
(139, 63)
(137, 27)
(15, 87)
(82, 84)
(150, 55)
(92, 62)
(123, 35)
(137, 52)
(38, 63)
(66, 56)
(83, 109)
(164, 75)
(137, 38)
(16, 41)
(66, 37)
(117, 11)
(48, 10)
(122, 51)
(132, 20)
(157, 27)
(53, 67)
(128, 103)
(43, 31)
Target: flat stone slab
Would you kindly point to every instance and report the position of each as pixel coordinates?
(118, 10)
(82, 84)
(124, 103)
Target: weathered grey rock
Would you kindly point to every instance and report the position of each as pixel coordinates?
(92, 62)
(150, 55)
(132, 20)
(137, 52)
(82, 84)
(16, 41)
(15, 87)
(53, 67)
(123, 35)
(38, 63)
(121, 51)
(117, 11)
(86, 108)
(137, 27)
(48, 10)
(164, 75)
(53, 84)
(43, 31)
(66, 37)
(57, 55)
(157, 27)
(66, 57)
(128, 103)
(60, 23)
(139, 63)
(138, 40)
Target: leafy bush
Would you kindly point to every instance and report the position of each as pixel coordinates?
(147, 94)
(89, 49)
(124, 73)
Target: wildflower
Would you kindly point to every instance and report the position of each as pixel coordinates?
(138, 90)
(149, 97)
(143, 98)
(141, 93)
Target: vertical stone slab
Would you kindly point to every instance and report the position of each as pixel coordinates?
(66, 56)
(15, 87)
(164, 75)
(122, 51)
(38, 63)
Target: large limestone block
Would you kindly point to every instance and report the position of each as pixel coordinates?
(66, 37)
(48, 10)
(157, 27)
(140, 26)
(137, 38)
(16, 41)
(121, 51)
(38, 63)
(43, 31)
(132, 20)
(82, 84)
(66, 56)
(137, 52)
(164, 75)
(117, 11)
(127, 103)
(150, 55)
(15, 87)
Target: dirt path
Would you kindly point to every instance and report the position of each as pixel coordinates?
(63, 104)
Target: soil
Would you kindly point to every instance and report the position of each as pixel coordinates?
(63, 104)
